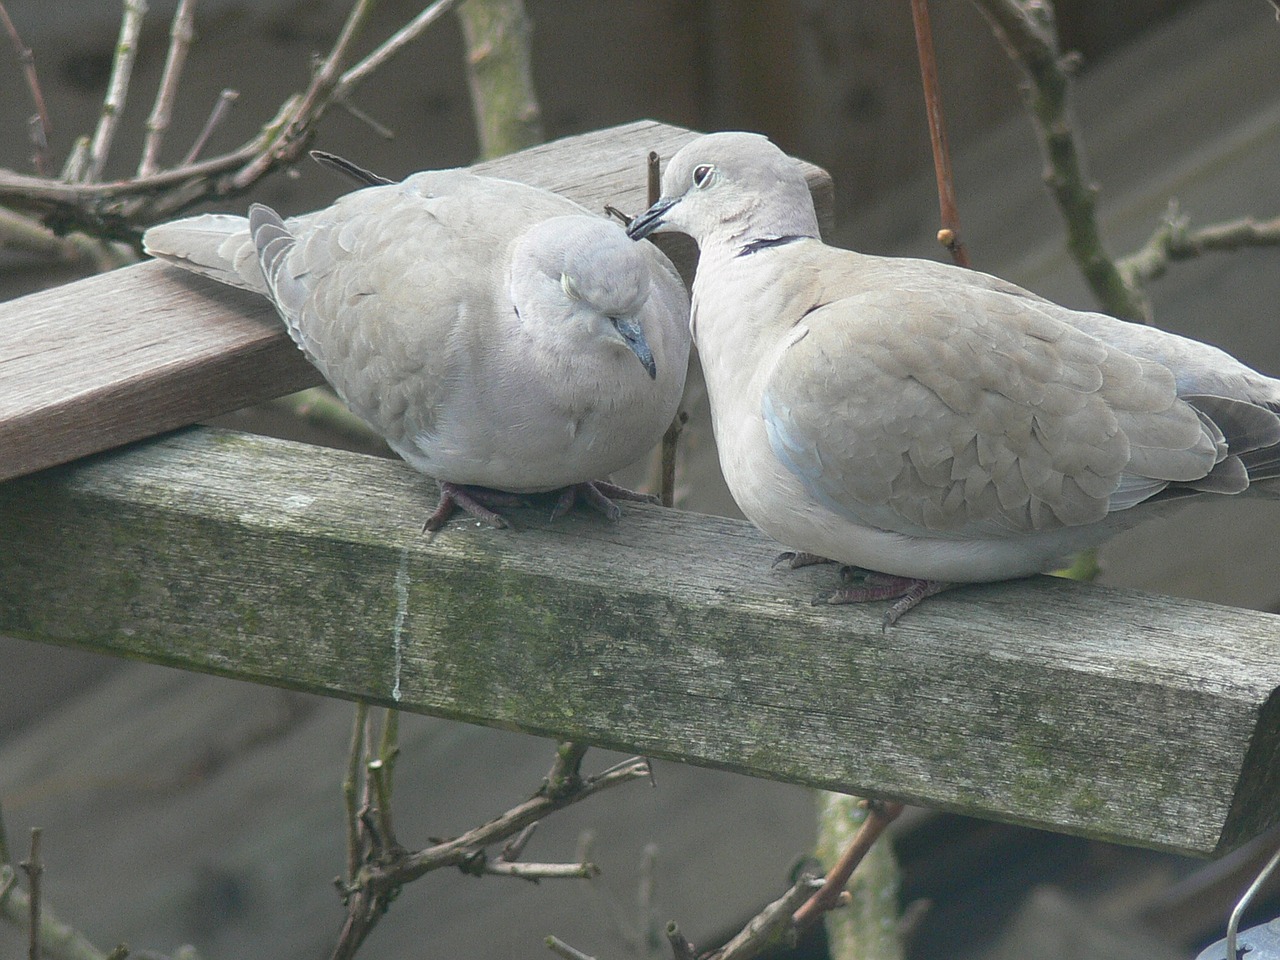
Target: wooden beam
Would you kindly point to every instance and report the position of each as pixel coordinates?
(1143, 720)
(125, 355)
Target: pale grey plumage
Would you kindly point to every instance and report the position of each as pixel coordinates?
(929, 422)
(495, 334)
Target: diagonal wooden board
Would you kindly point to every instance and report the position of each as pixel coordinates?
(128, 354)
(1138, 719)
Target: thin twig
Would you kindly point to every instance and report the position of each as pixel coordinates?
(57, 939)
(181, 33)
(293, 136)
(121, 209)
(880, 814)
(449, 852)
(389, 747)
(541, 871)
(390, 47)
(221, 108)
(377, 773)
(681, 949)
(512, 849)
(41, 128)
(767, 925)
(117, 87)
(33, 869)
(670, 444)
(382, 876)
(351, 788)
(1174, 240)
(562, 949)
(6, 859)
(1029, 35)
(949, 211)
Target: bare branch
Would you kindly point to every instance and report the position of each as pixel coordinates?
(562, 949)
(540, 871)
(296, 132)
(34, 870)
(388, 49)
(681, 949)
(5, 857)
(41, 128)
(450, 852)
(514, 847)
(565, 771)
(881, 814)
(117, 87)
(221, 108)
(351, 788)
(1174, 240)
(949, 211)
(181, 33)
(121, 209)
(767, 925)
(58, 941)
(1027, 31)
(380, 877)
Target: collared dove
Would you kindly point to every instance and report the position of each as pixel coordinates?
(927, 424)
(501, 339)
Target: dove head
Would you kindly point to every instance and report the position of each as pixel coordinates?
(579, 285)
(734, 188)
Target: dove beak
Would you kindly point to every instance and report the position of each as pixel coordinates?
(633, 337)
(651, 219)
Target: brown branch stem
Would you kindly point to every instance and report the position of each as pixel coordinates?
(880, 815)
(949, 211)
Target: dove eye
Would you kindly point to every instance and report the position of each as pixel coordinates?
(702, 174)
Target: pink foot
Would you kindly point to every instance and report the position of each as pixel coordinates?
(596, 494)
(476, 501)
(906, 592)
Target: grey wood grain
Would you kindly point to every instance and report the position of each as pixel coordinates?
(122, 356)
(1143, 720)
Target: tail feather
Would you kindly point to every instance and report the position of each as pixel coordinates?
(214, 245)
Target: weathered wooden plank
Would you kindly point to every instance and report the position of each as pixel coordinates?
(122, 356)
(1138, 719)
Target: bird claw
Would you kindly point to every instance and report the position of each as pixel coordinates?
(864, 586)
(795, 559)
(476, 501)
(596, 494)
